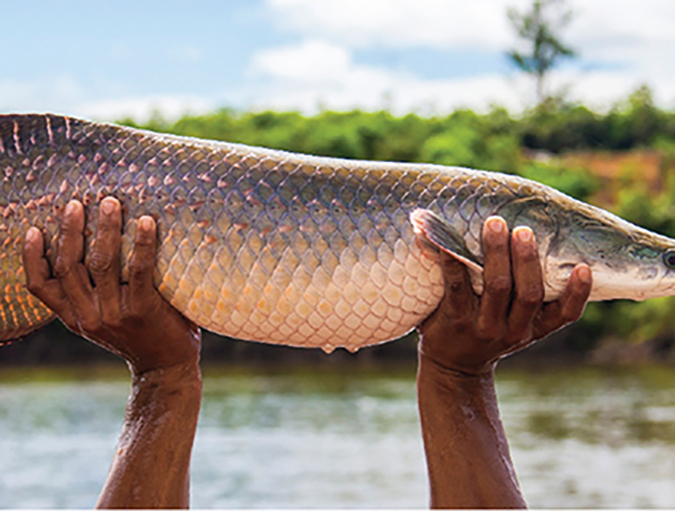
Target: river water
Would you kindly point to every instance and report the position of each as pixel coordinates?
(346, 438)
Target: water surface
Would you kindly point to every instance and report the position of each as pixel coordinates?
(347, 438)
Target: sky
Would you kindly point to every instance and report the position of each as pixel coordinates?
(108, 60)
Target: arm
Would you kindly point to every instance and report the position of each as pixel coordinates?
(152, 460)
(151, 467)
(460, 344)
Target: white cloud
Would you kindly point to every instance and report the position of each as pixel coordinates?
(65, 95)
(623, 43)
(40, 95)
(600, 26)
(317, 73)
(398, 23)
(142, 108)
(312, 60)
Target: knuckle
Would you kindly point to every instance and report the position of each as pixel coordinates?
(139, 267)
(487, 332)
(496, 242)
(498, 285)
(135, 316)
(527, 252)
(570, 316)
(137, 310)
(108, 221)
(100, 262)
(35, 288)
(516, 336)
(65, 227)
(456, 286)
(463, 325)
(462, 321)
(141, 262)
(90, 325)
(111, 321)
(61, 268)
(531, 295)
(456, 282)
(144, 240)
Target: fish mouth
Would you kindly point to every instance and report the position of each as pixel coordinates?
(662, 286)
(666, 288)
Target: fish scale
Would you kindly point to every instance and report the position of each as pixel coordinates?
(253, 243)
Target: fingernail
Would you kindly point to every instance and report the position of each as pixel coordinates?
(495, 224)
(107, 206)
(145, 223)
(70, 207)
(32, 235)
(523, 234)
(584, 274)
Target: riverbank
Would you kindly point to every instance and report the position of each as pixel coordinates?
(55, 346)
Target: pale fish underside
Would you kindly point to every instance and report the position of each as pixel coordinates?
(284, 248)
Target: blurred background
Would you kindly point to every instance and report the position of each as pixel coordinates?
(577, 95)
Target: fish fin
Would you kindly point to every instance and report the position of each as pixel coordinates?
(21, 314)
(442, 236)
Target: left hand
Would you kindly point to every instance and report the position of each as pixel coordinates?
(129, 319)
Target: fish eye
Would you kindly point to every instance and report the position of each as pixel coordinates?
(669, 259)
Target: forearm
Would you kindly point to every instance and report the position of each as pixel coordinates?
(467, 452)
(151, 467)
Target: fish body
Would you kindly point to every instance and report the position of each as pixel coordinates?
(284, 248)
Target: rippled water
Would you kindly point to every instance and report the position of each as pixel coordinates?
(332, 438)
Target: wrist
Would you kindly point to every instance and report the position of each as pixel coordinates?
(433, 374)
(177, 357)
(178, 379)
(465, 366)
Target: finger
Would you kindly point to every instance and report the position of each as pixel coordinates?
(38, 277)
(528, 284)
(104, 260)
(576, 293)
(457, 283)
(35, 265)
(497, 278)
(457, 304)
(141, 266)
(68, 267)
(571, 304)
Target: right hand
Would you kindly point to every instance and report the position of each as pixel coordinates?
(468, 333)
(131, 320)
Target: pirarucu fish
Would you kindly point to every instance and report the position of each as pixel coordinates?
(290, 249)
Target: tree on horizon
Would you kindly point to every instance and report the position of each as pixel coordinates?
(540, 29)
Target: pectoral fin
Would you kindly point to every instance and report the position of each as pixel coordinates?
(443, 236)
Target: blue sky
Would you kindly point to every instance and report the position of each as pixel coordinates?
(106, 60)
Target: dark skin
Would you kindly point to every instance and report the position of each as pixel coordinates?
(461, 342)
(152, 462)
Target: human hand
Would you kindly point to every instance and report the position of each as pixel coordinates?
(129, 319)
(468, 333)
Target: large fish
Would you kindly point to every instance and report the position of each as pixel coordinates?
(291, 249)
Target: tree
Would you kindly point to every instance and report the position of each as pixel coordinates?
(540, 28)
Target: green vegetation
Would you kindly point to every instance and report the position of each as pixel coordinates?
(542, 145)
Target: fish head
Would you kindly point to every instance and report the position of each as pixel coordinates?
(627, 261)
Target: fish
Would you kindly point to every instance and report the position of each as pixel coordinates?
(283, 248)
